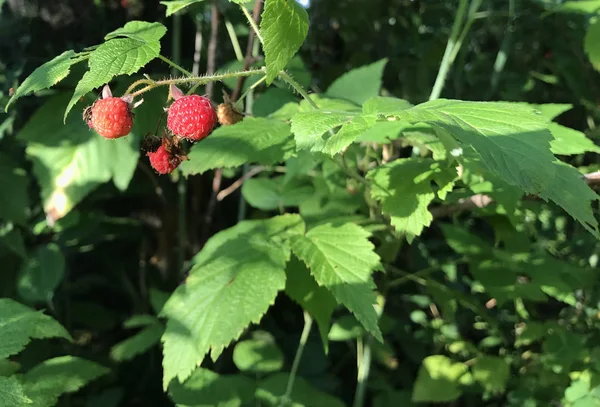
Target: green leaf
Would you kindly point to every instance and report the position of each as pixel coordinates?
(348, 134)
(178, 5)
(12, 239)
(120, 56)
(384, 105)
(404, 189)
(206, 388)
(283, 26)
(579, 6)
(345, 328)
(303, 394)
(139, 343)
(301, 287)
(66, 374)
(258, 356)
(568, 141)
(309, 127)
(552, 110)
(11, 393)
(41, 274)
(47, 75)
(569, 191)
(274, 193)
(492, 373)
(19, 324)
(233, 281)
(70, 160)
(14, 205)
(360, 84)
(511, 139)
(139, 30)
(341, 258)
(591, 43)
(438, 380)
(253, 140)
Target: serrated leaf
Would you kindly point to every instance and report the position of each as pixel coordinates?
(47, 75)
(303, 393)
(591, 43)
(568, 141)
(11, 393)
(46, 382)
(14, 205)
(404, 189)
(257, 356)
(41, 274)
(119, 56)
(511, 139)
(139, 30)
(138, 343)
(233, 281)
(301, 287)
(205, 388)
(253, 140)
(177, 5)
(569, 191)
(273, 193)
(438, 380)
(283, 26)
(492, 373)
(360, 84)
(19, 324)
(384, 105)
(552, 110)
(70, 160)
(341, 258)
(348, 134)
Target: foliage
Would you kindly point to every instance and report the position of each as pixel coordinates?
(445, 247)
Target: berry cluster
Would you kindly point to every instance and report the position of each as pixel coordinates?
(189, 117)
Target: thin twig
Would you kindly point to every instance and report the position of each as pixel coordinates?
(286, 398)
(233, 187)
(197, 49)
(249, 46)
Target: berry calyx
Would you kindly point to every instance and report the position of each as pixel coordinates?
(191, 117)
(166, 157)
(110, 116)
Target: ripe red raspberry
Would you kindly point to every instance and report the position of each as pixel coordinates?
(163, 159)
(111, 117)
(191, 117)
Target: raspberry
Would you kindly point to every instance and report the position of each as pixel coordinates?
(191, 117)
(163, 159)
(111, 118)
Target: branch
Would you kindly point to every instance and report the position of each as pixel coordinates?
(233, 187)
(212, 46)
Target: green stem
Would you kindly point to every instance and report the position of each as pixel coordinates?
(174, 65)
(470, 18)
(446, 62)
(287, 78)
(196, 80)
(251, 88)
(285, 399)
(239, 55)
(501, 57)
(252, 23)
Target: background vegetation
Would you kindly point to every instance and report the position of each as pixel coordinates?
(494, 304)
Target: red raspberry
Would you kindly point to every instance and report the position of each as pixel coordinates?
(191, 117)
(163, 160)
(111, 117)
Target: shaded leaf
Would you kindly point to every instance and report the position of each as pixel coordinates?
(41, 274)
(14, 205)
(141, 341)
(360, 84)
(492, 373)
(253, 140)
(591, 43)
(438, 380)
(258, 356)
(19, 324)
(273, 193)
(272, 388)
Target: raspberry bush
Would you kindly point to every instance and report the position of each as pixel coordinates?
(281, 242)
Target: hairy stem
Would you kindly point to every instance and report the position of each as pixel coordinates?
(252, 22)
(298, 88)
(173, 65)
(285, 399)
(446, 59)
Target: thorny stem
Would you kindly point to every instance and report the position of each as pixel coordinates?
(196, 80)
(285, 399)
(287, 78)
(174, 65)
(254, 86)
(252, 23)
